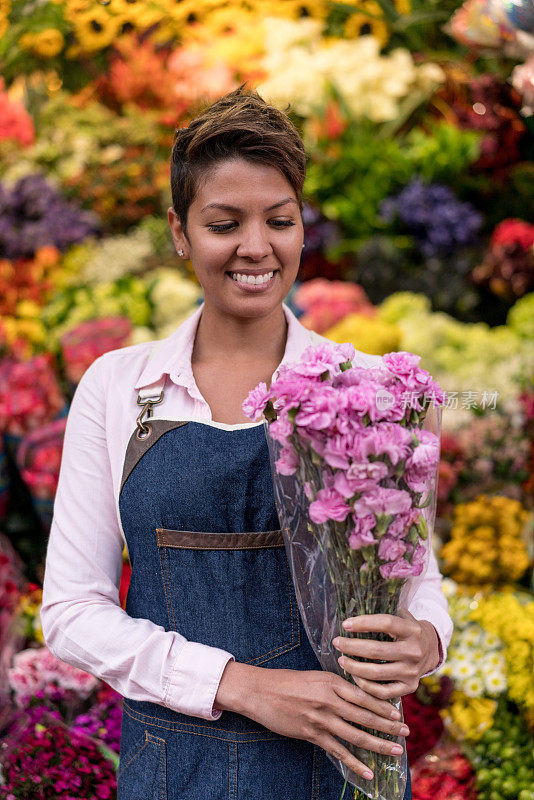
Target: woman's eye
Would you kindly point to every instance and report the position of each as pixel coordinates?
(278, 223)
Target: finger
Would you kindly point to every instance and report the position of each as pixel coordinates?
(385, 691)
(362, 717)
(358, 696)
(363, 739)
(396, 670)
(368, 648)
(341, 753)
(381, 623)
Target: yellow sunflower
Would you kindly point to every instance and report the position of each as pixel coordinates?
(96, 29)
(361, 23)
(4, 25)
(188, 11)
(74, 8)
(221, 22)
(295, 9)
(143, 17)
(5, 7)
(48, 43)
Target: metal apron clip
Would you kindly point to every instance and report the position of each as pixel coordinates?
(148, 396)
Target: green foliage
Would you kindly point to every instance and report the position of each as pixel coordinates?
(349, 178)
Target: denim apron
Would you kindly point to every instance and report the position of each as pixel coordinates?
(208, 560)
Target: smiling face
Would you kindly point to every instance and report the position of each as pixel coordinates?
(259, 232)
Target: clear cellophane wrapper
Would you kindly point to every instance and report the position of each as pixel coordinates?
(331, 586)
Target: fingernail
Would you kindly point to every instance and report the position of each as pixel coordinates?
(347, 624)
(396, 750)
(341, 661)
(395, 714)
(368, 775)
(335, 641)
(404, 730)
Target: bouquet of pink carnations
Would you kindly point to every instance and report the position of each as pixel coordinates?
(354, 456)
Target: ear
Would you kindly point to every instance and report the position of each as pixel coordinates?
(180, 242)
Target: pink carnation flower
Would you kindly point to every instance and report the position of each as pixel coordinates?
(255, 402)
(329, 505)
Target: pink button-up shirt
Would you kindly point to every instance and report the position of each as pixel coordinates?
(82, 620)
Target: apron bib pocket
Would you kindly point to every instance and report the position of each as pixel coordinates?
(243, 576)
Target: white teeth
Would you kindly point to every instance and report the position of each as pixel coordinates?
(254, 280)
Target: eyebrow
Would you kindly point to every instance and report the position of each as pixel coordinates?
(225, 207)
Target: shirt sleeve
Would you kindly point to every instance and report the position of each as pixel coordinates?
(82, 621)
(430, 603)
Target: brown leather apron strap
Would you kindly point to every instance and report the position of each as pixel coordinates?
(193, 540)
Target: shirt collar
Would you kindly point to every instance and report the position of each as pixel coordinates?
(172, 355)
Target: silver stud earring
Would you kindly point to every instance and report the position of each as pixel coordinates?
(304, 245)
(181, 253)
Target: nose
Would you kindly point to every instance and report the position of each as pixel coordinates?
(254, 244)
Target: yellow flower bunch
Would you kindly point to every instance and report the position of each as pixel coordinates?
(486, 548)
(506, 616)
(46, 43)
(368, 334)
(24, 329)
(369, 18)
(468, 717)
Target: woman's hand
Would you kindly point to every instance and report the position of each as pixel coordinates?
(414, 652)
(314, 705)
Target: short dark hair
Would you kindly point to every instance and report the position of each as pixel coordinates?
(239, 124)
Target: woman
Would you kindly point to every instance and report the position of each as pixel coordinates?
(224, 696)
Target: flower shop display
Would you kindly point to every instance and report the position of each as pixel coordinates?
(11, 570)
(508, 266)
(39, 459)
(46, 760)
(489, 455)
(81, 345)
(326, 302)
(444, 773)
(30, 395)
(511, 618)
(486, 546)
(418, 122)
(36, 673)
(354, 456)
(433, 215)
(480, 367)
(34, 214)
(16, 125)
(503, 758)
(370, 334)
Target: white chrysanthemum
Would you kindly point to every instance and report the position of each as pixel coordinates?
(473, 687)
(174, 297)
(463, 669)
(495, 682)
(491, 641)
(116, 256)
(299, 63)
(471, 636)
(495, 661)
